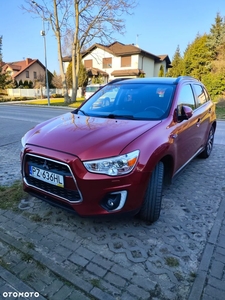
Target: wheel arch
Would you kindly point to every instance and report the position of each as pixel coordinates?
(168, 162)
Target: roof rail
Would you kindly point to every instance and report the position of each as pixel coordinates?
(185, 77)
(117, 80)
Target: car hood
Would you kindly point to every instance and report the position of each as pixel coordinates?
(87, 137)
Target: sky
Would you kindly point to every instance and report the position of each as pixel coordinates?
(157, 27)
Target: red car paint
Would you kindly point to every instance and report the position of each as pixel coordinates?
(63, 145)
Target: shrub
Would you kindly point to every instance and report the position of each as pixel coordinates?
(56, 96)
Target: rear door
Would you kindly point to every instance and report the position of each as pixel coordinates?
(204, 109)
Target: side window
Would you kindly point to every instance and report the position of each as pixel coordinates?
(201, 94)
(186, 97)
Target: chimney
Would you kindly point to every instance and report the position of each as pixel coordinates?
(28, 61)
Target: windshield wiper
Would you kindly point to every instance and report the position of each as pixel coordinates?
(83, 112)
(113, 116)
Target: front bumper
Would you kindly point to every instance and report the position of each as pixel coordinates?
(85, 193)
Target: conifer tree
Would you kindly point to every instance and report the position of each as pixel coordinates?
(177, 64)
(216, 36)
(197, 58)
(161, 71)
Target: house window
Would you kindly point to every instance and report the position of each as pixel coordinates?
(88, 63)
(126, 61)
(107, 62)
(27, 74)
(35, 75)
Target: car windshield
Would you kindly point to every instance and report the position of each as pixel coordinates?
(138, 101)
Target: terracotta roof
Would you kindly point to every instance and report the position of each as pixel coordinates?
(96, 71)
(119, 49)
(166, 58)
(67, 58)
(127, 72)
(21, 66)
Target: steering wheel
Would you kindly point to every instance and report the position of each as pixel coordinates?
(156, 109)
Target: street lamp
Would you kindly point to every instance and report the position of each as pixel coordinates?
(43, 34)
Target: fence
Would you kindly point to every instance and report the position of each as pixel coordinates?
(36, 93)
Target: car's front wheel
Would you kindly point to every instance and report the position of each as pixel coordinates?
(209, 145)
(151, 207)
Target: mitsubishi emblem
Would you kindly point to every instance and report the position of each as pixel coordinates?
(45, 166)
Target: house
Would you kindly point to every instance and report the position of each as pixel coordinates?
(28, 69)
(118, 60)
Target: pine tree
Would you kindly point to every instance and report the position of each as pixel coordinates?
(161, 71)
(177, 64)
(216, 36)
(197, 58)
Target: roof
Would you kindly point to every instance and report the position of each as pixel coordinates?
(119, 49)
(96, 71)
(127, 72)
(21, 66)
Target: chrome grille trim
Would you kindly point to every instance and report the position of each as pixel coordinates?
(66, 171)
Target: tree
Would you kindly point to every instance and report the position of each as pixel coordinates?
(216, 36)
(21, 83)
(58, 16)
(197, 58)
(161, 71)
(82, 76)
(3, 76)
(57, 80)
(95, 20)
(177, 64)
(90, 20)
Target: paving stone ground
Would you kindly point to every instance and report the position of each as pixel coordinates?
(59, 255)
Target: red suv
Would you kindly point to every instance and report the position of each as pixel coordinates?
(113, 154)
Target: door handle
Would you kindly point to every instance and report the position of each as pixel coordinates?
(198, 122)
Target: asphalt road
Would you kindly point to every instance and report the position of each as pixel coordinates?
(16, 120)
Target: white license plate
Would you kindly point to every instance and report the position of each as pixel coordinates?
(47, 176)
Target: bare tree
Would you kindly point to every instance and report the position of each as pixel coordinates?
(57, 13)
(96, 20)
(88, 20)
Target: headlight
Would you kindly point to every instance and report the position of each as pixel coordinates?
(113, 166)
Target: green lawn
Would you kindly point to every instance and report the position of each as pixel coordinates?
(54, 102)
(220, 113)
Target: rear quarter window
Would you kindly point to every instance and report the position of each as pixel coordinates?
(201, 94)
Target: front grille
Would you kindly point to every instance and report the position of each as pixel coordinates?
(69, 192)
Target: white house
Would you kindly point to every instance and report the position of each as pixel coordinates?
(118, 60)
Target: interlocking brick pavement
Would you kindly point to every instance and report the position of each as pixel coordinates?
(182, 256)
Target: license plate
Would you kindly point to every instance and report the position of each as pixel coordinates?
(47, 176)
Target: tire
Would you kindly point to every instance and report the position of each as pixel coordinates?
(151, 207)
(209, 145)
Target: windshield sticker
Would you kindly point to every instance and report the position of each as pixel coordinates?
(161, 92)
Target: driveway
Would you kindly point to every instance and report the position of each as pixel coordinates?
(58, 255)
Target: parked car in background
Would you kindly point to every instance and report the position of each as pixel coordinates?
(91, 89)
(113, 157)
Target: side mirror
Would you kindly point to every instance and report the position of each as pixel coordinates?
(184, 113)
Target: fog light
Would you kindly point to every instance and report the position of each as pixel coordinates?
(114, 201)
